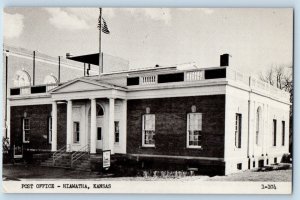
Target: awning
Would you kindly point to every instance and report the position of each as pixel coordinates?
(89, 58)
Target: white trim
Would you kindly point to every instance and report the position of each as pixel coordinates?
(23, 129)
(76, 132)
(143, 131)
(187, 132)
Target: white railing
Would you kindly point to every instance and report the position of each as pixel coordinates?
(237, 76)
(194, 75)
(148, 80)
(85, 150)
(59, 153)
(256, 84)
(25, 90)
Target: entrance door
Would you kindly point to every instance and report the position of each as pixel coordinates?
(99, 132)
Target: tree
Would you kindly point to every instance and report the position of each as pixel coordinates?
(281, 76)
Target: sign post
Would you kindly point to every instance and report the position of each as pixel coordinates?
(106, 159)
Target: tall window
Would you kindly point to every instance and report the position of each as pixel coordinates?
(26, 130)
(148, 130)
(238, 130)
(283, 133)
(194, 126)
(274, 131)
(117, 132)
(258, 121)
(50, 130)
(76, 132)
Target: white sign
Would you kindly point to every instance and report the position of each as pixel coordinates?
(106, 159)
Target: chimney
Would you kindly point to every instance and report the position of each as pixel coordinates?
(224, 60)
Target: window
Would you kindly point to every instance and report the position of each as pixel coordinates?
(26, 130)
(99, 133)
(283, 133)
(99, 110)
(258, 122)
(50, 79)
(21, 78)
(76, 132)
(274, 131)
(239, 166)
(238, 130)
(194, 125)
(117, 132)
(50, 130)
(148, 130)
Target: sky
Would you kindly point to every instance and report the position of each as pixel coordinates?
(256, 39)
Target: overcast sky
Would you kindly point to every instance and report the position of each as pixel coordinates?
(256, 38)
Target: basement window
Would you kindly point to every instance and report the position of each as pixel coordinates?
(26, 130)
(194, 130)
(148, 130)
(239, 166)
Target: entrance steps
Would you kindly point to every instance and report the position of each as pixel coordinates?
(64, 161)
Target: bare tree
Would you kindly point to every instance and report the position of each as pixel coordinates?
(279, 76)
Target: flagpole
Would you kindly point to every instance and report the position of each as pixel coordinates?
(100, 30)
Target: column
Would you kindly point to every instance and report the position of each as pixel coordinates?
(93, 138)
(123, 131)
(69, 126)
(54, 127)
(111, 124)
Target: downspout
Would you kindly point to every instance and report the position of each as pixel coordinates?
(58, 69)
(33, 76)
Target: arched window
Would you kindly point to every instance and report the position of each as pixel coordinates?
(22, 78)
(99, 110)
(258, 126)
(50, 79)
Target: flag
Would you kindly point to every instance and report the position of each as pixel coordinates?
(104, 27)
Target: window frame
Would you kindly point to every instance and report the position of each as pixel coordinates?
(25, 129)
(238, 130)
(117, 131)
(144, 131)
(188, 131)
(77, 132)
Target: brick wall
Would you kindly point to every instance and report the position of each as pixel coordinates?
(171, 125)
(38, 115)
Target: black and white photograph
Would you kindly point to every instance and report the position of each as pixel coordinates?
(147, 100)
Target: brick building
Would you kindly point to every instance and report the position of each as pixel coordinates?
(214, 117)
